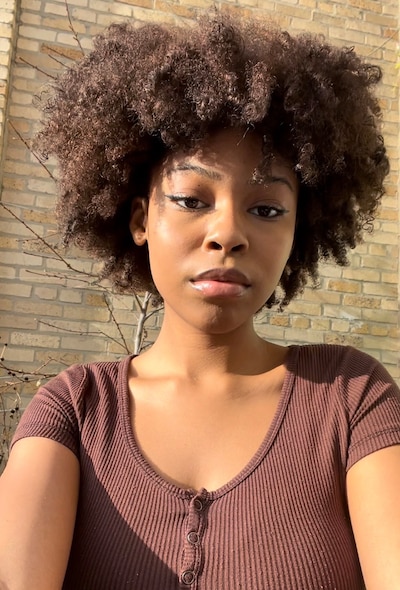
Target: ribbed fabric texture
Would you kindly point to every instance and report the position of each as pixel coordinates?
(281, 524)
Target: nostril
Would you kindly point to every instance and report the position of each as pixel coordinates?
(215, 246)
(237, 248)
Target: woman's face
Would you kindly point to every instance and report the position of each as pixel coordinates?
(218, 240)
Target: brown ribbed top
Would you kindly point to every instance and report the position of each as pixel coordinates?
(280, 524)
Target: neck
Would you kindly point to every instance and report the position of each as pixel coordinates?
(191, 353)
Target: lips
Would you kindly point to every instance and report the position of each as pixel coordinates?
(221, 283)
(223, 275)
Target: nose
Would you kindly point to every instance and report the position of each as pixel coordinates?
(226, 231)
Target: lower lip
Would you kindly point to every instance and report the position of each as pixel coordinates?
(220, 288)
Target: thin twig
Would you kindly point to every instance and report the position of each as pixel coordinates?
(49, 246)
(141, 321)
(58, 61)
(26, 144)
(57, 50)
(125, 345)
(382, 44)
(71, 26)
(87, 333)
(37, 68)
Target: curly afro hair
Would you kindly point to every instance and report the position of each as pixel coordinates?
(142, 92)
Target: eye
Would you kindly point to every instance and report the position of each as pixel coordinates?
(186, 202)
(268, 211)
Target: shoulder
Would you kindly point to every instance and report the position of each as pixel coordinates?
(90, 378)
(327, 362)
(353, 377)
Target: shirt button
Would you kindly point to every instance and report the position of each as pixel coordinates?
(193, 538)
(198, 504)
(188, 577)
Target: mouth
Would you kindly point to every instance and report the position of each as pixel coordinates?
(221, 282)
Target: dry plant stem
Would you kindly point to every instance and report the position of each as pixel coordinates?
(56, 51)
(57, 61)
(21, 59)
(26, 144)
(143, 306)
(45, 243)
(71, 26)
(125, 345)
(65, 277)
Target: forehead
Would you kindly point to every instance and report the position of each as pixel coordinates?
(232, 151)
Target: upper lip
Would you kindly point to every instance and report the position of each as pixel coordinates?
(224, 275)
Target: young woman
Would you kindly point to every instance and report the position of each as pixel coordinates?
(214, 166)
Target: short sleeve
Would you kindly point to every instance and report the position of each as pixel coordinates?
(54, 411)
(373, 406)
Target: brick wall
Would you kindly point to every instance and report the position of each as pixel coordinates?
(48, 310)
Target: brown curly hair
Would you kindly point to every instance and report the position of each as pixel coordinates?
(145, 91)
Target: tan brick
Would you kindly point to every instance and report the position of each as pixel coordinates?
(59, 50)
(95, 299)
(7, 272)
(45, 217)
(27, 339)
(376, 342)
(16, 290)
(300, 322)
(91, 343)
(80, 312)
(149, 4)
(70, 296)
(62, 24)
(279, 320)
(23, 355)
(379, 330)
(371, 5)
(271, 332)
(361, 274)
(179, 10)
(390, 304)
(344, 339)
(362, 301)
(380, 316)
(303, 307)
(62, 357)
(37, 33)
(148, 15)
(385, 20)
(360, 328)
(38, 308)
(320, 324)
(8, 243)
(17, 322)
(6, 304)
(344, 286)
(45, 293)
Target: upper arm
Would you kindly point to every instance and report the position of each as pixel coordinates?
(373, 489)
(38, 500)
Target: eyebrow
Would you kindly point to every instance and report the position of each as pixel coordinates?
(214, 175)
(206, 172)
(274, 180)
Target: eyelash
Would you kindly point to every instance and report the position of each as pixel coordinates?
(278, 211)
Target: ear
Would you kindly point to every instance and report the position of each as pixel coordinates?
(138, 222)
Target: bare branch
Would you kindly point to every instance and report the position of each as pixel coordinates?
(140, 325)
(57, 255)
(71, 26)
(26, 144)
(88, 333)
(37, 68)
(57, 61)
(125, 345)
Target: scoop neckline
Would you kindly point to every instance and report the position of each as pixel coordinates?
(133, 448)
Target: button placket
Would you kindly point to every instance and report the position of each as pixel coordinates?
(192, 549)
